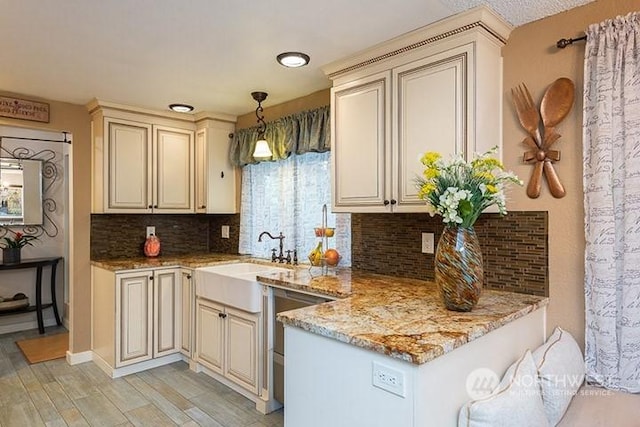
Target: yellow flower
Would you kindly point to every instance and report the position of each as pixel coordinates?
(429, 158)
(487, 163)
(492, 189)
(426, 190)
(488, 176)
(431, 172)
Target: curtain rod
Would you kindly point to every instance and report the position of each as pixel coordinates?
(562, 43)
(65, 141)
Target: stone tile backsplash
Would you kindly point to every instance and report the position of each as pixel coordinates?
(123, 235)
(514, 248)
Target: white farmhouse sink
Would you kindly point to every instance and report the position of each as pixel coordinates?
(234, 285)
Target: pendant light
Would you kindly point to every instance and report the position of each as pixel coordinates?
(262, 150)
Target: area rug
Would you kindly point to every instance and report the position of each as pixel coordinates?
(45, 348)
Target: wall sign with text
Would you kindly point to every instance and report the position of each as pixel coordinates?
(24, 109)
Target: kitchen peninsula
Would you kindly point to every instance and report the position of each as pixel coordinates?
(395, 330)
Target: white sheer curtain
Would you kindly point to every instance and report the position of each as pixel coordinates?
(611, 149)
(287, 196)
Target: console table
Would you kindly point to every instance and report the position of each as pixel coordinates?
(38, 264)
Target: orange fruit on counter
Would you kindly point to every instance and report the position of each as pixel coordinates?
(332, 257)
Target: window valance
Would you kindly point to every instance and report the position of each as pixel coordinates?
(298, 133)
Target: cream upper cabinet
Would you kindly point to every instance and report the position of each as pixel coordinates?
(215, 176)
(360, 114)
(145, 161)
(149, 168)
(173, 173)
(129, 164)
(430, 114)
(438, 88)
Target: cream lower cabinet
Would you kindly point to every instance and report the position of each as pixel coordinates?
(187, 290)
(227, 342)
(136, 319)
(215, 176)
(436, 89)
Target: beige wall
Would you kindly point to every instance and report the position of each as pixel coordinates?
(530, 56)
(75, 119)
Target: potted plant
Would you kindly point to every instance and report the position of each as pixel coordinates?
(12, 247)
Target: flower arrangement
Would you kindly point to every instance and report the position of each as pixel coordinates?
(459, 190)
(19, 240)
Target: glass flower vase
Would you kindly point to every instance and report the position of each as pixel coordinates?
(459, 270)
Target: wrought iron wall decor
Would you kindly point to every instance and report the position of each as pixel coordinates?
(50, 175)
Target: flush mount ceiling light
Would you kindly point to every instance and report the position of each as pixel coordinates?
(293, 59)
(181, 108)
(262, 150)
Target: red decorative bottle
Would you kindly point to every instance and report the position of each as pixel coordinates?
(152, 246)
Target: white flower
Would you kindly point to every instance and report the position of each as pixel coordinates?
(459, 190)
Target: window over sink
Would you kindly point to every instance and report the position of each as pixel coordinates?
(288, 196)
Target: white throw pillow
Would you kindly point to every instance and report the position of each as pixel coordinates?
(561, 371)
(515, 402)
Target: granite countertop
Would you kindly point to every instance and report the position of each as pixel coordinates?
(402, 318)
(187, 261)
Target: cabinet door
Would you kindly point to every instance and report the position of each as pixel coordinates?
(221, 175)
(134, 314)
(430, 109)
(360, 125)
(210, 335)
(128, 166)
(173, 170)
(167, 297)
(242, 348)
(188, 296)
(201, 171)
(215, 176)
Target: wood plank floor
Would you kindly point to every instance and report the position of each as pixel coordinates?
(55, 394)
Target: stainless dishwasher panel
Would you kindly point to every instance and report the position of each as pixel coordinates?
(285, 300)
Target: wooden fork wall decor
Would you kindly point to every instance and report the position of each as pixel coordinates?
(556, 104)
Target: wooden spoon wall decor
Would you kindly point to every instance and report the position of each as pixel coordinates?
(556, 104)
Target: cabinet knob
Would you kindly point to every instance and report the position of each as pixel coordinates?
(222, 174)
(386, 202)
(150, 206)
(222, 315)
(151, 278)
(155, 206)
(189, 276)
(393, 201)
(202, 207)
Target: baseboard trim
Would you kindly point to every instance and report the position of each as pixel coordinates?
(77, 358)
(136, 367)
(25, 326)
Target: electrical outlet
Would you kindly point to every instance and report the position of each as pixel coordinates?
(225, 231)
(151, 230)
(388, 379)
(427, 243)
